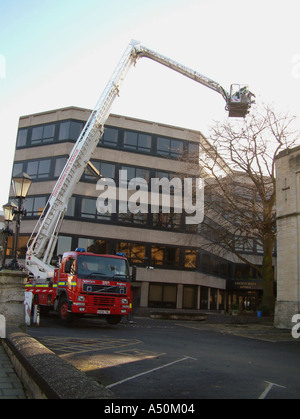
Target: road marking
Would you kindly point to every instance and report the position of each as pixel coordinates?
(67, 346)
(267, 390)
(148, 372)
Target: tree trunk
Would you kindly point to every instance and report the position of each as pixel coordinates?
(268, 300)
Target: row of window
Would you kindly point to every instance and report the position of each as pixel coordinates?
(165, 296)
(151, 255)
(41, 169)
(85, 209)
(160, 256)
(50, 168)
(82, 208)
(49, 133)
(118, 138)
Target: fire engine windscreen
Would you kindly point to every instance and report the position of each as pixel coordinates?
(90, 266)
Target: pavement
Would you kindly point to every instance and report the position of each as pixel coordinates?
(10, 384)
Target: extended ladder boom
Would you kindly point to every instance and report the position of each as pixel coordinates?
(142, 51)
(44, 237)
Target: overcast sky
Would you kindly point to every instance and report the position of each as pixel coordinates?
(57, 53)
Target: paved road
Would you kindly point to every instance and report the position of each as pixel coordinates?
(157, 359)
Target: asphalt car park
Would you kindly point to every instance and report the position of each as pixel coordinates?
(179, 360)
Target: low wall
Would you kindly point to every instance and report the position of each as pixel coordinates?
(46, 376)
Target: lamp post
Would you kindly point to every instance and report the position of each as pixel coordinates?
(8, 217)
(21, 185)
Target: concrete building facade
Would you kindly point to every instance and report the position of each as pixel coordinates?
(288, 236)
(173, 269)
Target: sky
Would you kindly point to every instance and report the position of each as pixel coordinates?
(58, 53)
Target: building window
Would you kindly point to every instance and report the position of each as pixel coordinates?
(35, 205)
(205, 263)
(136, 172)
(162, 295)
(89, 210)
(60, 163)
(39, 169)
(190, 259)
(71, 207)
(213, 298)
(106, 170)
(169, 148)
(137, 141)
(170, 221)
(130, 218)
(193, 152)
(22, 137)
(189, 300)
(42, 134)
(110, 137)
(100, 247)
(22, 246)
(134, 252)
(163, 255)
(203, 298)
(64, 244)
(18, 168)
(70, 130)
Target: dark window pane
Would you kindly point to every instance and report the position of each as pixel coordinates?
(107, 170)
(18, 168)
(48, 131)
(110, 137)
(59, 165)
(32, 169)
(37, 134)
(144, 143)
(64, 130)
(44, 168)
(22, 136)
(75, 130)
(163, 146)
(130, 140)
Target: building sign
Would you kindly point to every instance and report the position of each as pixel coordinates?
(245, 284)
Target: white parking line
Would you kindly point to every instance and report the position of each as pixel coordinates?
(269, 386)
(148, 372)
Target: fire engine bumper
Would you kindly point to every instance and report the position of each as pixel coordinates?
(106, 306)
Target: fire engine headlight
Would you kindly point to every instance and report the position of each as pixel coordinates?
(80, 298)
(124, 301)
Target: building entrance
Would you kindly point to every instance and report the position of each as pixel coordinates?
(244, 295)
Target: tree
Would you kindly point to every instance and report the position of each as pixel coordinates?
(240, 188)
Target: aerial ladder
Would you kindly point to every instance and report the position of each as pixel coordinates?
(43, 239)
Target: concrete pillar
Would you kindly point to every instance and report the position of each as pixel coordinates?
(144, 294)
(179, 296)
(198, 297)
(12, 289)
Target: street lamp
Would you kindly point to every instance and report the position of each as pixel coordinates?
(21, 184)
(8, 217)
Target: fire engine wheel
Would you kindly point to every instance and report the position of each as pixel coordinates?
(113, 319)
(63, 312)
